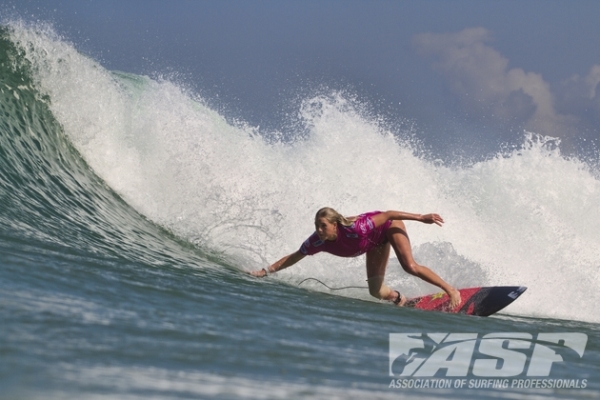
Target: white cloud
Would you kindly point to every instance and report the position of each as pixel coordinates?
(481, 78)
(581, 95)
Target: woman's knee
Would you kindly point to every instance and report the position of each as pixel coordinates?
(375, 292)
(381, 292)
(411, 267)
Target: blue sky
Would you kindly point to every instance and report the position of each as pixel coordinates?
(469, 73)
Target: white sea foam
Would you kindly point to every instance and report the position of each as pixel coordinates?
(528, 218)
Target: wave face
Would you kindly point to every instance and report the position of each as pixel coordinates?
(49, 192)
(117, 165)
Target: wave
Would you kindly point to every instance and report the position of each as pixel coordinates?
(90, 156)
(49, 193)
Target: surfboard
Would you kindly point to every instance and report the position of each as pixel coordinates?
(480, 301)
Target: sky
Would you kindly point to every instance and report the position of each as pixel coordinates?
(469, 74)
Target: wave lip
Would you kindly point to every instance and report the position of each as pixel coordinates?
(48, 190)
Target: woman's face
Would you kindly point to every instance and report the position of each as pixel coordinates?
(325, 229)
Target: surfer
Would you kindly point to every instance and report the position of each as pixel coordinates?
(372, 233)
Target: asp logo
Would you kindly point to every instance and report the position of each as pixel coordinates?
(492, 355)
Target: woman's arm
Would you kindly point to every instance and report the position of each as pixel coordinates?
(382, 217)
(285, 262)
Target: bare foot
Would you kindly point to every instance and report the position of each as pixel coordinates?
(455, 299)
(402, 300)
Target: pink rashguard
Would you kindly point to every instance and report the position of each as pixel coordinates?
(352, 240)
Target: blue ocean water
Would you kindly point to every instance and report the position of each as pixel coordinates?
(129, 211)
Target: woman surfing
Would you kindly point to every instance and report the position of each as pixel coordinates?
(373, 234)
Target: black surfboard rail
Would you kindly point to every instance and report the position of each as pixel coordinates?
(480, 301)
(490, 300)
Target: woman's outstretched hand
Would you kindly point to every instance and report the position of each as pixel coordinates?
(432, 219)
(261, 273)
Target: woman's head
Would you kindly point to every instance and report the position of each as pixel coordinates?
(326, 222)
(332, 216)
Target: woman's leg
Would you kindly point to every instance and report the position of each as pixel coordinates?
(377, 260)
(398, 238)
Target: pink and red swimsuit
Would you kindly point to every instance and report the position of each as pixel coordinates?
(351, 241)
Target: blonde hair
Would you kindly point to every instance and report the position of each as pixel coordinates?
(333, 216)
